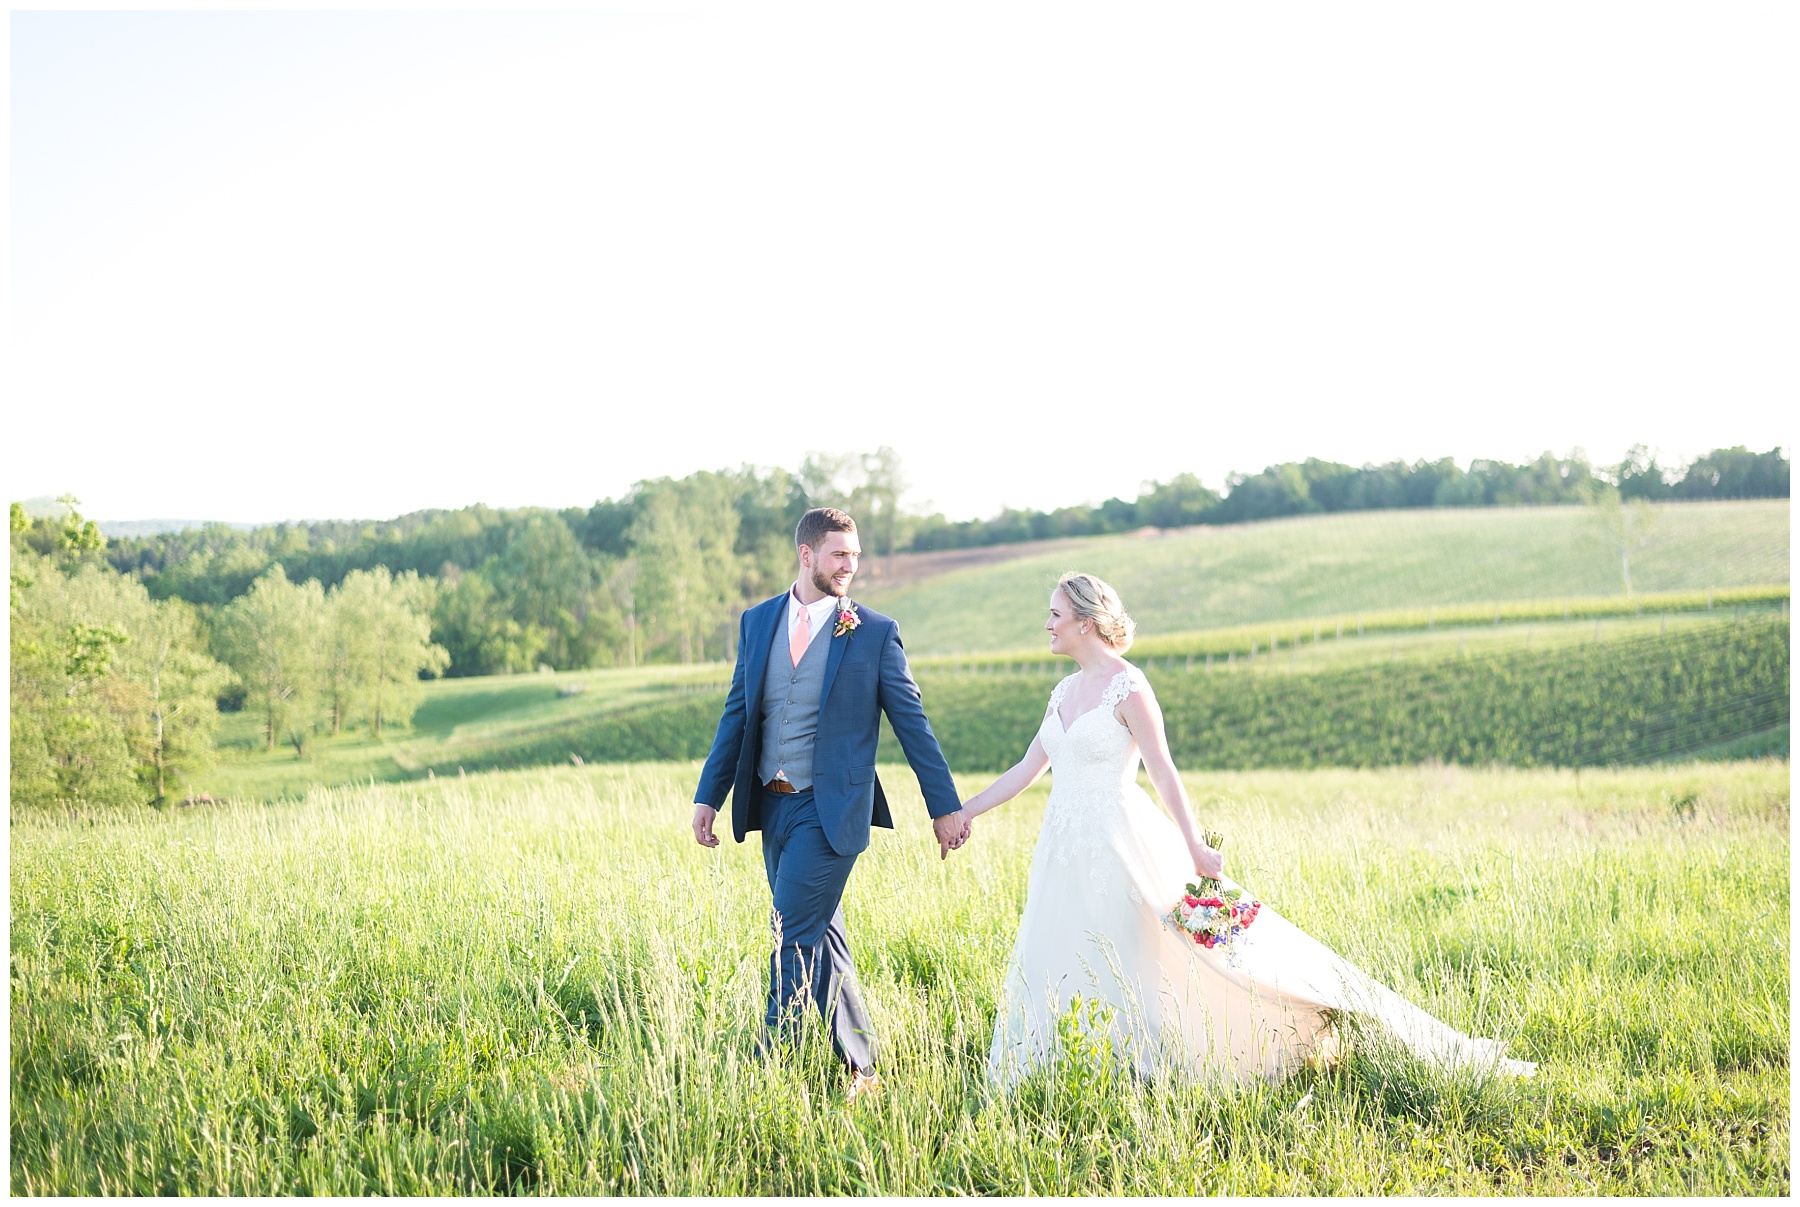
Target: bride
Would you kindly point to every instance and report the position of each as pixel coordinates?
(1109, 865)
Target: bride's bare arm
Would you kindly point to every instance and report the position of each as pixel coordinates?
(1143, 716)
(1021, 776)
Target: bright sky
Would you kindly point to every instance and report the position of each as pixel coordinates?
(273, 265)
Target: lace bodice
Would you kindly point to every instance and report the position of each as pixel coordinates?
(1093, 769)
(1094, 749)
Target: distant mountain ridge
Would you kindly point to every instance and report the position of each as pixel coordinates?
(45, 507)
(132, 528)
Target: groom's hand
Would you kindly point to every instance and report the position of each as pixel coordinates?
(952, 831)
(703, 824)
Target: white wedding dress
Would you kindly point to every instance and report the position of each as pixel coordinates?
(1109, 864)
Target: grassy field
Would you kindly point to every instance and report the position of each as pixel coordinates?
(535, 982)
(671, 712)
(460, 719)
(1313, 566)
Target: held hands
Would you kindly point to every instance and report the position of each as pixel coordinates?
(952, 831)
(703, 824)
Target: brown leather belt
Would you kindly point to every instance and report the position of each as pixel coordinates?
(779, 786)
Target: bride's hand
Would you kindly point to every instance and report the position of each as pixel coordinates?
(1208, 862)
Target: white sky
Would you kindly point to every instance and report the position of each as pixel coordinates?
(272, 265)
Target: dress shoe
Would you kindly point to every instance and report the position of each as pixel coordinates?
(864, 1086)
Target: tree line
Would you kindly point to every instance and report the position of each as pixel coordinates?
(115, 694)
(661, 573)
(1313, 486)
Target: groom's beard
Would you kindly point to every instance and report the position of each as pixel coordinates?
(822, 583)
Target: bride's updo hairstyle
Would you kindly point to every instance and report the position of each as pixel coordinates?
(1094, 601)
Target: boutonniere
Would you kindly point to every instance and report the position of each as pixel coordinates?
(847, 620)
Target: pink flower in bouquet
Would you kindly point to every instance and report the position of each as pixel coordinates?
(1212, 915)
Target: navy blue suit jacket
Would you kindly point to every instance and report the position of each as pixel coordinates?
(865, 676)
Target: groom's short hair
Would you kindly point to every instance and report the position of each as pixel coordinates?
(817, 522)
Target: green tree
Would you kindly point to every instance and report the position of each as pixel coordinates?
(1623, 525)
(554, 586)
(1640, 477)
(621, 584)
(769, 507)
(343, 668)
(1736, 473)
(388, 622)
(879, 499)
(1181, 501)
(684, 541)
(68, 743)
(112, 692)
(273, 636)
(76, 534)
(182, 685)
(474, 623)
(868, 486)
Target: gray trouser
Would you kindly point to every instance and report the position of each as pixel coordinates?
(807, 879)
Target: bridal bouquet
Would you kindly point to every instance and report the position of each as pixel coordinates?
(1211, 914)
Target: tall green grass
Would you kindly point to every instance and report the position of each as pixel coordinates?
(1339, 565)
(535, 982)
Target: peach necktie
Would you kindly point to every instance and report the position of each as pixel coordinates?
(801, 637)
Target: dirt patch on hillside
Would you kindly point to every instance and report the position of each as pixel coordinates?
(905, 569)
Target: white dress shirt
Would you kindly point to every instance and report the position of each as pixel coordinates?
(822, 615)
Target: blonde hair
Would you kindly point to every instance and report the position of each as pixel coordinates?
(1094, 600)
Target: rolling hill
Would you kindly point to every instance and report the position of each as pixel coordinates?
(1187, 579)
(1188, 588)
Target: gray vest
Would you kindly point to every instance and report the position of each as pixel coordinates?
(790, 707)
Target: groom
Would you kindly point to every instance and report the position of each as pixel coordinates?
(796, 749)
